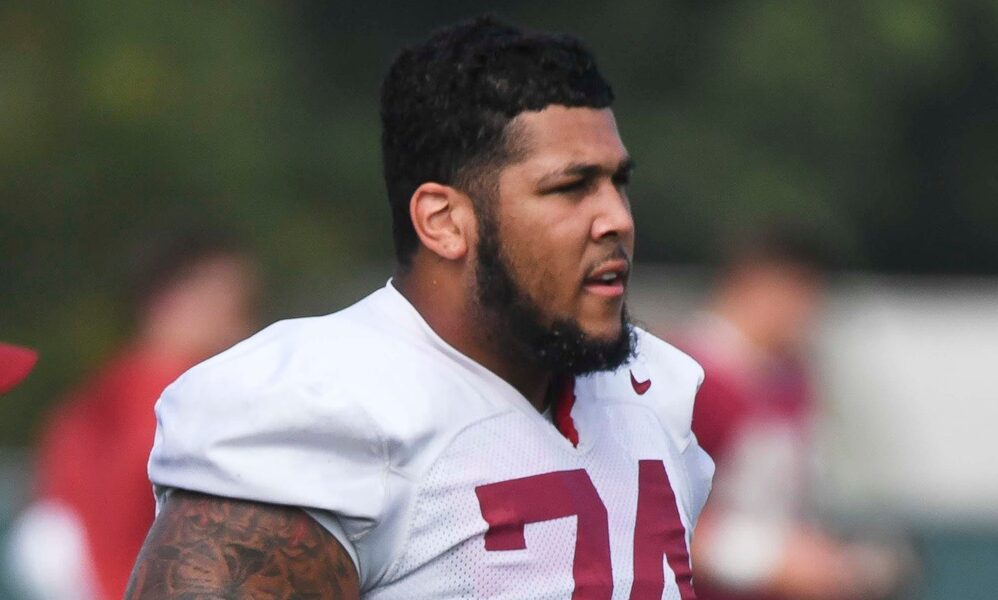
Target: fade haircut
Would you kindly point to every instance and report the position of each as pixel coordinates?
(447, 103)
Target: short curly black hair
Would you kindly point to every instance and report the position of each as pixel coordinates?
(446, 104)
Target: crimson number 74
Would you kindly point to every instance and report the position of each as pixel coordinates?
(658, 531)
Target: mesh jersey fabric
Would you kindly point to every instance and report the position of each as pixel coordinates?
(366, 416)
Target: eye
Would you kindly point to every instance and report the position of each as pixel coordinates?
(622, 179)
(571, 186)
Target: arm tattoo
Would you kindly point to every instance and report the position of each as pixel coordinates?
(211, 548)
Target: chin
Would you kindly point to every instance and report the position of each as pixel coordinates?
(603, 332)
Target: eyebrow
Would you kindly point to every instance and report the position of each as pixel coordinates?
(587, 171)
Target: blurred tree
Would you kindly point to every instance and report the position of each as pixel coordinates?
(875, 121)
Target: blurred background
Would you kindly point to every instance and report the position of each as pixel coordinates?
(873, 123)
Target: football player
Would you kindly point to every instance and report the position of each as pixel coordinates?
(488, 424)
(193, 294)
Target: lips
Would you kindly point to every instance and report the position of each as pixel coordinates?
(609, 278)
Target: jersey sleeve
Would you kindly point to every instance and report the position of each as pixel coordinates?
(250, 424)
(675, 379)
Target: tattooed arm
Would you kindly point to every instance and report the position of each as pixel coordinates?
(213, 548)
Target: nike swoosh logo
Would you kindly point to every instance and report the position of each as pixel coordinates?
(640, 386)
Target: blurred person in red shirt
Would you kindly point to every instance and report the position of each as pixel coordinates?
(753, 415)
(194, 297)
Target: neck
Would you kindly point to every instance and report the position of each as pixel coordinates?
(443, 300)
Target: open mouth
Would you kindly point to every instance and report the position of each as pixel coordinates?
(610, 279)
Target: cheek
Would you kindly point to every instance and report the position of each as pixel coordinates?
(545, 265)
(535, 271)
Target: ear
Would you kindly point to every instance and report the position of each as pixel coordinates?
(443, 219)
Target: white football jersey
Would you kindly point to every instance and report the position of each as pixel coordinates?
(437, 476)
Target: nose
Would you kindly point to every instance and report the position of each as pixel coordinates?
(613, 217)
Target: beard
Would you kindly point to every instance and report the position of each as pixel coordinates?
(521, 329)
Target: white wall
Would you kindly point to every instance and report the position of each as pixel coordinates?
(909, 369)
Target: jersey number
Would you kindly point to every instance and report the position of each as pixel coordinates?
(658, 531)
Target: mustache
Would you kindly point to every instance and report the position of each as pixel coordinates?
(618, 254)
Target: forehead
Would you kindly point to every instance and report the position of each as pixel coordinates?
(560, 135)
